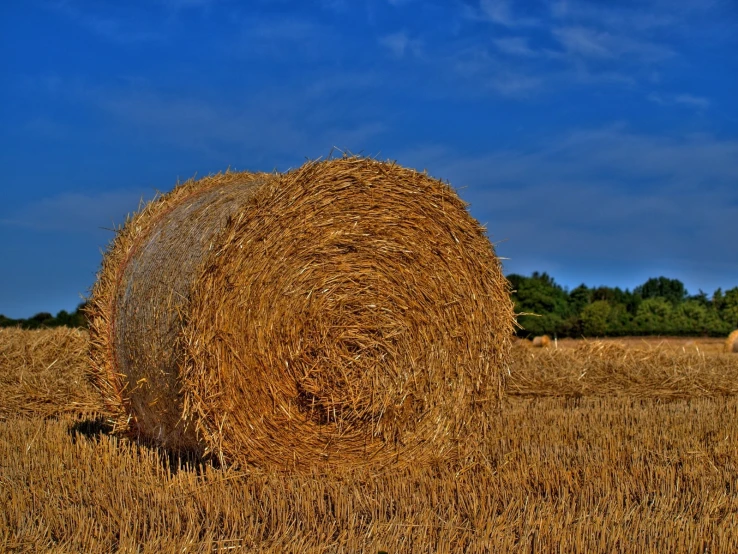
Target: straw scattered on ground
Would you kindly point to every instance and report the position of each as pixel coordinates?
(42, 373)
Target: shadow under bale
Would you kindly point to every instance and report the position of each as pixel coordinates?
(90, 428)
(349, 313)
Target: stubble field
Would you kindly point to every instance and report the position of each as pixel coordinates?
(599, 446)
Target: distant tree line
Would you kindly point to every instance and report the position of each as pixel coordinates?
(44, 319)
(660, 306)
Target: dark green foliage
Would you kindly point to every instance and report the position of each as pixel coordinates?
(653, 317)
(729, 307)
(595, 318)
(671, 290)
(541, 296)
(44, 320)
(580, 297)
(660, 306)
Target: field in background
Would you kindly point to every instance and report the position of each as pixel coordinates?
(600, 446)
(708, 344)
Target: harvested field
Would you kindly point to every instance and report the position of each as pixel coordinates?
(646, 461)
(611, 368)
(683, 344)
(42, 373)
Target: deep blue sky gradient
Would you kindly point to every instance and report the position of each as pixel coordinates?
(597, 140)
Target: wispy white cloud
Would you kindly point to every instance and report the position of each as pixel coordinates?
(178, 5)
(514, 84)
(498, 11)
(501, 13)
(325, 86)
(643, 16)
(585, 42)
(574, 43)
(119, 28)
(281, 122)
(516, 46)
(648, 16)
(687, 100)
(490, 74)
(582, 74)
(46, 128)
(287, 38)
(629, 199)
(338, 6)
(283, 29)
(201, 125)
(694, 101)
(593, 44)
(78, 212)
(400, 44)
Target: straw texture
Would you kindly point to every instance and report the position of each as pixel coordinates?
(349, 313)
(136, 306)
(42, 373)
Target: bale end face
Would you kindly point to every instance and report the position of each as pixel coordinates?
(542, 341)
(137, 304)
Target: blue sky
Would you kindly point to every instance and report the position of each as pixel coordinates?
(598, 141)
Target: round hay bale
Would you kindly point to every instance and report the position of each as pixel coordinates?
(731, 343)
(350, 313)
(541, 342)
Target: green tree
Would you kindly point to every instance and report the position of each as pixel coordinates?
(7, 322)
(718, 299)
(78, 318)
(45, 319)
(729, 309)
(654, 316)
(701, 297)
(41, 319)
(595, 318)
(579, 297)
(690, 318)
(672, 290)
(541, 296)
(658, 306)
(63, 318)
(620, 321)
